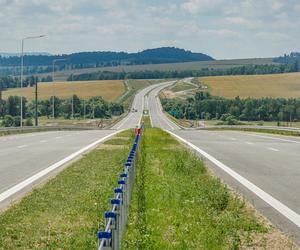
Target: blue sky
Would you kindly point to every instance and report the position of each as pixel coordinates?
(220, 28)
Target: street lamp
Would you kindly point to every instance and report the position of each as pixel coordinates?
(53, 69)
(22, 65)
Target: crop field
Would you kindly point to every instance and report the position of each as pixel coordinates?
(109, 90)
(255, 86)
(217, 64)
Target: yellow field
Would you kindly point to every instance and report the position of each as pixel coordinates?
(109, 90)
(256, 86)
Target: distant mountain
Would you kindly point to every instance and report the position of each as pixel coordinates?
(6, 55)
(108, 58)
(287, 59)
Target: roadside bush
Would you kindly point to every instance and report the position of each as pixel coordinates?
(28, 122)
(17, 121)
(8, 121)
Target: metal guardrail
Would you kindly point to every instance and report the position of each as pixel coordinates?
(116, 218)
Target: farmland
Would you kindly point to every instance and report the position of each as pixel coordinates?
(255, 86)
(218, 64)
(109, 90)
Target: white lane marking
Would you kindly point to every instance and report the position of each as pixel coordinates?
(13, 190)
(22, 146)
(273, 149)
(273, 138)
(249, 143)
(232, 139)
(276, 204)
(124, 120)
(162, 115)
(43, 141)
(58, 137)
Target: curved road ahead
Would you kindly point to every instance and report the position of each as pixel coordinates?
(264, 168)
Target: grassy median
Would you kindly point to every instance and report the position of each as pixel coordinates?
(178, 205)
(66, 211)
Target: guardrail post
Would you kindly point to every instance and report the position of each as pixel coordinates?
(117, 218)
(106, 239)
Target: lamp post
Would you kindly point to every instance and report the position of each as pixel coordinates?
(22, 65)
(72, 98)
(53, 96)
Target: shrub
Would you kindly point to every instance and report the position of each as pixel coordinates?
(8, 121)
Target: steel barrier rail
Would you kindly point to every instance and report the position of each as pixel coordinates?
(116, 218)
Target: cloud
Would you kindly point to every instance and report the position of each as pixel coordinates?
(272, 37)
(196, 6)
(223, 28)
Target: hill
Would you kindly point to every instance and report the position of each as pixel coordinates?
(109, 58)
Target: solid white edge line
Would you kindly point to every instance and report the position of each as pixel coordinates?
(276, 204)
(13, 190)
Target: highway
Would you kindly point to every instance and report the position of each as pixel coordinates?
(264, 168)
(27, 159)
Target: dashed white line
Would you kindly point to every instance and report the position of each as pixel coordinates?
(273, 149)
(13, 190)
(43, 141)
(58, 137)
(249, 143)
(274, 138)
(22, 146)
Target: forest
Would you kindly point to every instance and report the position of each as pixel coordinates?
(95, 107)
(205, 106)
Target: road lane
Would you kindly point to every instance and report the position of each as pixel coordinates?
(270, 162)
(24, 156)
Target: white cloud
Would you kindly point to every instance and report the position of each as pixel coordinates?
(197, 6)
(272, 37)
(252, 26)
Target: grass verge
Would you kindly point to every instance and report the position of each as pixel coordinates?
(177, 204)
(65, 212)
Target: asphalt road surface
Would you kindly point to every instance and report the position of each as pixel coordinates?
(270, 163)
(26, 159)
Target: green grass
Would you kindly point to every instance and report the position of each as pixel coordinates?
(147, 122)
(182, 86)
(178, 205)
(65, 212)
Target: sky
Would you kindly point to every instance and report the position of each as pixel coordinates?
(224, 29)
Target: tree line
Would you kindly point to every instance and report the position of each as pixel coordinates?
(95, 107)
(205, 106)
(242, 70)
(287, 59)
(15, 82)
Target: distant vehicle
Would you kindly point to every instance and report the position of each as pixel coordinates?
(134, 110)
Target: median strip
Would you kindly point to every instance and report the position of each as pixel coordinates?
(177, 204)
